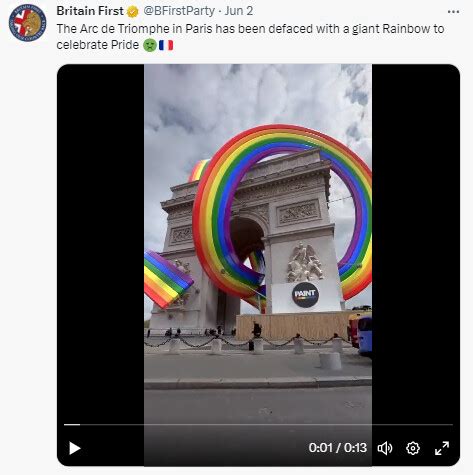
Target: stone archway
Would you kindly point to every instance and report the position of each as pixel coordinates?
(279, 203)
(247, 236)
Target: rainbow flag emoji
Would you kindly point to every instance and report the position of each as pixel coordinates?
(164, 282)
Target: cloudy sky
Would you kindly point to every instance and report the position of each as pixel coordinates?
(190, 111)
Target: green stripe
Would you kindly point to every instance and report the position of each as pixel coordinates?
(163, 277)
(366, 238)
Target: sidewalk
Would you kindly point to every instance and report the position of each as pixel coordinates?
(243, 369)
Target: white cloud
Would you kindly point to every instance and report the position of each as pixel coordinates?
(190, 111)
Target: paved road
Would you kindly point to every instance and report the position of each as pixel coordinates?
(193, 364)
(239, 406)
(256, 427)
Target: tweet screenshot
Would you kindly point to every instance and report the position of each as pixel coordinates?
(295, 170)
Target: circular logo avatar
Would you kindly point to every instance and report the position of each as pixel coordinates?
(27, 22)
(305, 294)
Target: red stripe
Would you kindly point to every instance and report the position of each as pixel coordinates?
(359, 287)
(155, 297)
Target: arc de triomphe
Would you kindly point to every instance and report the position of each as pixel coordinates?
(281, 203)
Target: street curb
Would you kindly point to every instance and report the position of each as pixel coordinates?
(258, 383)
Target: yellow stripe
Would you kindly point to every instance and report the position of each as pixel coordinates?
(200, 169)
(159, 284)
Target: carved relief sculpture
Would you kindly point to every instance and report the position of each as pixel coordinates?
(182, 300)
(183, 267)
(299, 212)
(304, 265)
(182, 234)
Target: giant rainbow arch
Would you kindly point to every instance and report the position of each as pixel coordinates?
(219, 179)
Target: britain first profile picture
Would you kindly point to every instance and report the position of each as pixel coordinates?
(27, 22)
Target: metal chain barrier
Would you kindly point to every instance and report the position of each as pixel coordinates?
(196, 346)
(234, 344)
(158, 345)
(278, 344)
(239, 345)
(320, 343)
(316, 343)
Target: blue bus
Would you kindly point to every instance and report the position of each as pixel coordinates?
(365, 335)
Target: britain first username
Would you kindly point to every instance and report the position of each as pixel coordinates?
(101, 10)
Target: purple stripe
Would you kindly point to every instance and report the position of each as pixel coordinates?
(172, 268)
(358, 212)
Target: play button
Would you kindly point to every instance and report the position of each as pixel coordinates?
(73, 448)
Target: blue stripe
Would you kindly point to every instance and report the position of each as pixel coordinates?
(166, 271)
(355, 182)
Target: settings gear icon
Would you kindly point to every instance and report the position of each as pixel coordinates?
(413, 448)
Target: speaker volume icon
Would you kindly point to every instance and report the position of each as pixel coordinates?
(385, 448)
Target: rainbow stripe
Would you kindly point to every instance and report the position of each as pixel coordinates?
(198, 170)
(258, 300)
(217, 187)
(257, 262)
(164, 282)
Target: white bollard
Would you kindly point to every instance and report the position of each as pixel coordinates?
(330, 361)
(298, 346)
(175, 346)
(258, 346)
(216, 347)
(337, 345)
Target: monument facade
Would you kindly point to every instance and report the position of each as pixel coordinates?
(280, 207)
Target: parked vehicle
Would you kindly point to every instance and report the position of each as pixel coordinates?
(363, 308)
(365, 335)
(353, 324)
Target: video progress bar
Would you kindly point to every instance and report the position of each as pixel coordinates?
(257, 424)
